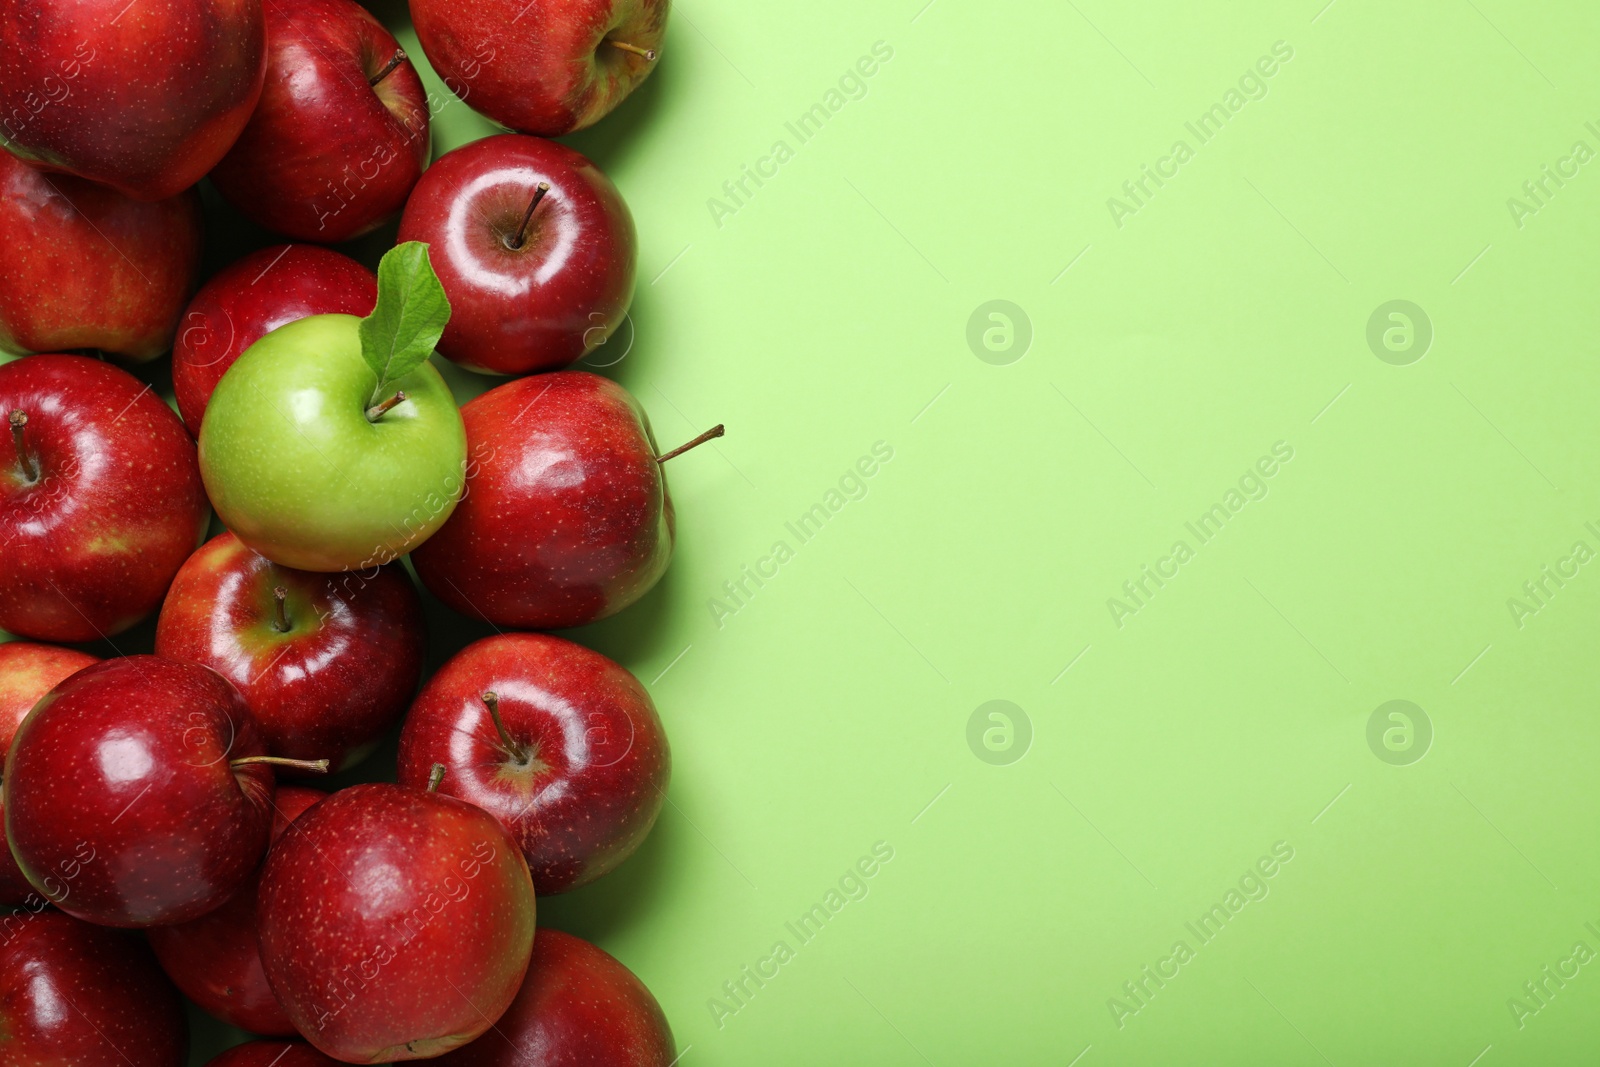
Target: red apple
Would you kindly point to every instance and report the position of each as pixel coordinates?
(100, 499)
(559, 743)
(135, 794)
(215, 959)
(86, 267)
(341, 133)
(144, 100)
(534, 247)
(272, 1054)
(244, 302)
(578, 1007)
(327, 669)
(76, 995)
(542, 66)
(27, 672)
(565, 518)
(395, 924)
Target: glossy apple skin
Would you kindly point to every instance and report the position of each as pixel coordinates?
(395, 924)
(558, 77)
(145, 101)
(272, 1054)
(27, 672)
(334, 684)
(556, 297)
(326, 157)
(596, 762)
(90, 548)
(86, 267)
(578, 1007)
(294, 468)
(214, 959)
(249, 299)
(121, 804)
(77, 995)
(566, 517)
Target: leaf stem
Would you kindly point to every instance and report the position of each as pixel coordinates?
(514, 750)
(25, 460)
(527, 216)
(395, 60)
(378, 411)
(715, 431)
(647, 54)
(315, 766)
(280, 611)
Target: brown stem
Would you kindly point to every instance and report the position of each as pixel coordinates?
(395, 60)
(715, 431)
(435, 776)
(516, 751)
(648, 54)
(378, 411)
(527, 216)
(314, 766)
(25, 460)
(280, 611)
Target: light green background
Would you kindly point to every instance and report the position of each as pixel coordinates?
(1168, 354)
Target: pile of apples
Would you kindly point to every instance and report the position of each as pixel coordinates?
(161, 835)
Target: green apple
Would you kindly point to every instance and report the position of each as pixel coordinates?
(333, 444)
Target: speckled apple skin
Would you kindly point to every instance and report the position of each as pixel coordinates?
(559, 76)
(332, 686)
(86, 267)
(214, 959)
(90, 548)
(272, 1054)
(395, 924)
(565, 518)
(120, 1009)
(27, 672)
(250, 298)
(121, 803)
(144, 98)
(578, 1007)
(598, 761)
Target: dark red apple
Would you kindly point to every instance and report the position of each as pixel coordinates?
(249, 299)
(565, 518)
(395, 923)
(86, 267)
(578, 1007)
(143, 97)
(327, 669)
(27, 672)
(534, 247)
(542, 66)
(559, 743)
(77, 995)
(272, 1054)
(135, 793)
(215, 960)
(100, 499)
(341, 133)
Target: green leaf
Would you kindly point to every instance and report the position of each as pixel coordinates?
(410, 316)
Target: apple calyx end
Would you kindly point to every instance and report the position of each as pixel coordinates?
(378, 411)
(521, 237)
(435, 776)
(388, 68)
(310, 766)
(18, 420)
(518, 753)
(716, 431)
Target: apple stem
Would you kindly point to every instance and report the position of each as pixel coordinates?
(527, 216)
(280, 611)
(378, 411)
(514, 750)
(715, 431)
(30, 469)
(395, 60)
(315, 766)
(435, 776)
(648, 54)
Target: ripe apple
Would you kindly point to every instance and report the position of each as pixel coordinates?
(77, 995)
(559, 743)
(100, 499)
(536, 251)
(215, 960)
(272, 1054)
(332, 444)
(341, 133)
(137, 793)
(27, 672)
(395, 924)
(546, 66)
(86, 267)
(327, 667)
(145, 101)
(244, 302)
(578, 1007)
(566, 517)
